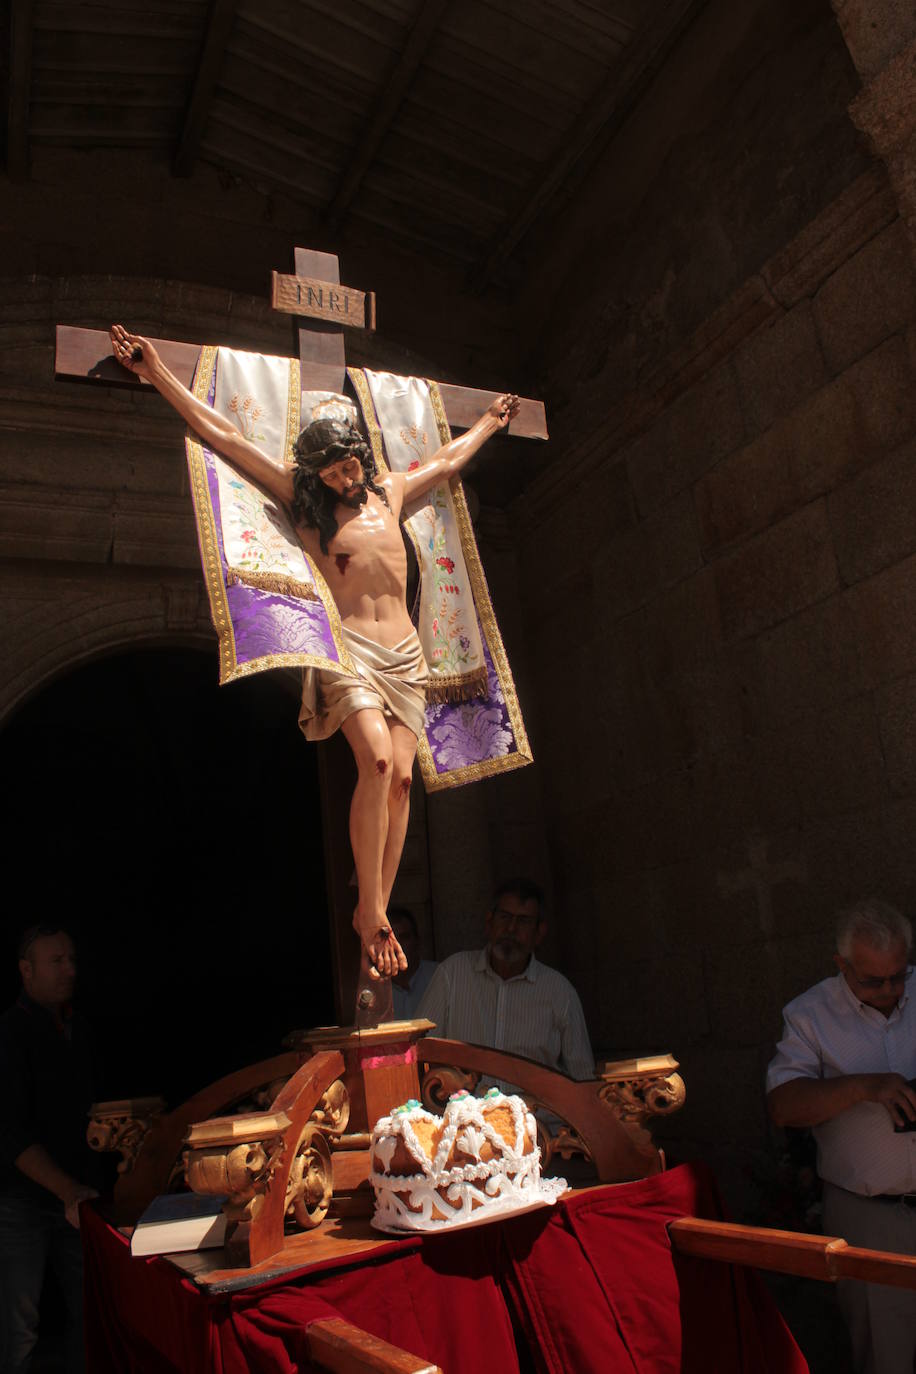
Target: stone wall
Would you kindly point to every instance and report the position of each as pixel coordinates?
(735, 758)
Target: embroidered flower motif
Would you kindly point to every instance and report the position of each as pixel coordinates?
(247, 411)
(416, 439)
(446, 563)
(412, 467)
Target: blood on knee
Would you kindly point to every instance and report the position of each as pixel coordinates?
(381, 767)
(404, 788)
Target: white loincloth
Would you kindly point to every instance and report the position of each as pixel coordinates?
(392, 681)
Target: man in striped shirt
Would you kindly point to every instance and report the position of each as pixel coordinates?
(502, 997)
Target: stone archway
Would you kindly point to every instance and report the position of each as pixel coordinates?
(175, 827)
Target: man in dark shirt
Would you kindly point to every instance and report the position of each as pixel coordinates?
(44, 1159)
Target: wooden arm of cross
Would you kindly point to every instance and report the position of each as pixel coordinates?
(84, 355)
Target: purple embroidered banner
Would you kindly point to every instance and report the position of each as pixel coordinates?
(465, 740)
(258, 627)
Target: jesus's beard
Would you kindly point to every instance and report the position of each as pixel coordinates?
(356, 497)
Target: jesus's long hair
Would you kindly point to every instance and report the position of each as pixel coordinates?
(321, 443)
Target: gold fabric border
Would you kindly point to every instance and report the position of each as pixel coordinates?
(212, 564)
(293, 408)
(504, 763)
(433, 780)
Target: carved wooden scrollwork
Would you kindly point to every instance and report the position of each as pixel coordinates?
(235, 1157)
(309, 1189)
(565, 1143)
(637, 1089)
(122, 1126)
(333, 1111)
(556, 1139)
(440, 1081)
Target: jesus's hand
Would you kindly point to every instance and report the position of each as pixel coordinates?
(133, 351)
(504, 409)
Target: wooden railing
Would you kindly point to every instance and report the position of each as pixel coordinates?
(790, 1252)
(338, 1346)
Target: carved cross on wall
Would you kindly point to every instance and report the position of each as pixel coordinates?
(326, 307)
(760, 878)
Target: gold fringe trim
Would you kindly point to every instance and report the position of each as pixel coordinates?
(272, 582)
(457, 689)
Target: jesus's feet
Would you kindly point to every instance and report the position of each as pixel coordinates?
(383, 953)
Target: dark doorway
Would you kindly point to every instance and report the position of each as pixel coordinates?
(175, 827)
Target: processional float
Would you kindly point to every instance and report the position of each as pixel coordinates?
(286, 1141)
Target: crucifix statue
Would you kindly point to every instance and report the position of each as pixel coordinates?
(345, 512)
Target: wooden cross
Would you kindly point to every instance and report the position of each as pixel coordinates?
(326, 307)
(85, 354)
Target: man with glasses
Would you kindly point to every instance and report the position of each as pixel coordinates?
(504, 998)
(845, 1067)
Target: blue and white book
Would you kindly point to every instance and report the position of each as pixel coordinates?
(175, 1222)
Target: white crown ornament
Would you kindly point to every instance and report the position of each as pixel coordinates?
(477, 1161)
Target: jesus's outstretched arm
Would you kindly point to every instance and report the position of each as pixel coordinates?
(139, 356)
(453, 456)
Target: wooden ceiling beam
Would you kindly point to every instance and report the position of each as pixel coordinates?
(20, 83)
(219, 26)
(426, 21)
(601, 116)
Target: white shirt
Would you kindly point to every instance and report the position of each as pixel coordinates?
(828, 1032)
(537, 1013)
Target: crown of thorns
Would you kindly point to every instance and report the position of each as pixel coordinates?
(327, 441)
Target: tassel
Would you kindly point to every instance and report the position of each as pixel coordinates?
(281, 583)
(456, 690)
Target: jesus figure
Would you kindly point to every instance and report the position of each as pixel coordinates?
(347, 519)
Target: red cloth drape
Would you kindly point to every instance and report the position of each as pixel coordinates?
(591, 1284)
(598, 1289)
(439, 1298)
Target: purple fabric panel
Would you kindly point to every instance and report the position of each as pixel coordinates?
(472, 731)
(267, 623)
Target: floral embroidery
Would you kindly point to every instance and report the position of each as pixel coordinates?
(451, 642)
(412, 467)
(256, 533)
(416, 439)
(247, 412)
